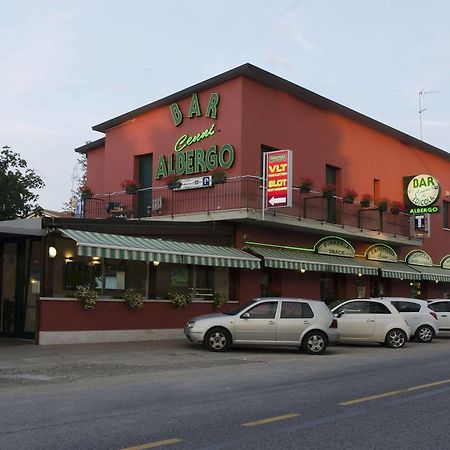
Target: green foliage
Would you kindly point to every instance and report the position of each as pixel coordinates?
(133, 299)
(17, 181)
(87, 297)
(180, 301)
(219, 300)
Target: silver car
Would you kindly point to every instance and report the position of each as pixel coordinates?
(306, 324)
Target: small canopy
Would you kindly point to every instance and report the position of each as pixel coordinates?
(298, 260)
(397, 270)
(433, 273)
(144, 249)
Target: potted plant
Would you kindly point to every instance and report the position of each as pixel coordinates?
(86, 192)
(396, 207)
(328, 190)
(383, 204)
(349, 195)
(219, 175)
(173, 181)
(87, 297)
(366, 200)
(179, 301)
(306, 185)
(219, 300)
(130, 186)
(133, 299)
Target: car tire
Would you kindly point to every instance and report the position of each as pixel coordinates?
(424, 334)
(395, 338)
(217, 339)
(315, 342)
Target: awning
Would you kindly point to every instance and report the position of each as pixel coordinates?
(397, 270)
(297, 260)
(144, 249)
(433, 273)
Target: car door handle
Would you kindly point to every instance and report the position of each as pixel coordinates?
(444, 315)
(306, 322)
(370, 320)
(271, 322)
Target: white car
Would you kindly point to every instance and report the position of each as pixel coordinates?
(306, 324)
(442, 308)
(369, 320)
(422, 320)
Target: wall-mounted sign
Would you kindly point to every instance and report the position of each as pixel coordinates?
(186, 160)
(278, 172)
(445, 263)
(419, 258)
(334, 246)
(194, 183)
(422, 226)
(381, 252)
(421, 192)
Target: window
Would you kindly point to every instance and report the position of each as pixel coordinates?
(440, 307)
(379, 308)
(265, 310)
(296, 310)
(406, 306)
(446, 213)
(356, 308)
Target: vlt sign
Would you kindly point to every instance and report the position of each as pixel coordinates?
(186, 160)
(421, 194)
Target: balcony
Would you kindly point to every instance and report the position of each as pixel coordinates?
(240, 198)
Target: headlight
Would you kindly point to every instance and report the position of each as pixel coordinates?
(190, 324)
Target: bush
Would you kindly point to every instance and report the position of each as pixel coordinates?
(87, 296)
(219, 300)
(133, 299)
(180, 301)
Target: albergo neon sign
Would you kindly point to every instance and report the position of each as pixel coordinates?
(187, 161)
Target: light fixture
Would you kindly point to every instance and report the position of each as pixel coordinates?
(437, 281)
(68, 259)
(302, 270)
(52, 252)
(156, 263)
(359, 274)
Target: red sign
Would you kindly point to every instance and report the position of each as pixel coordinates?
(278, 179)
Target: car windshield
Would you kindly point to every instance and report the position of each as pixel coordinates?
(239, 308)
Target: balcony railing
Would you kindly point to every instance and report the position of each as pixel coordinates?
(242, 193)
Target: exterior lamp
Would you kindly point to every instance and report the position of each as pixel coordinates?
(359, 274)
(52, 252)
(156, 263)
(437, 281)
(302, 270)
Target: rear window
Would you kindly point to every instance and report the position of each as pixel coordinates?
(379, 308)
(296, 310)
(406, 306)
(440, 306)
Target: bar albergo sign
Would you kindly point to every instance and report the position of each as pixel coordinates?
(279, 178)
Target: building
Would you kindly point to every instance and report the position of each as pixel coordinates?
(176, 205)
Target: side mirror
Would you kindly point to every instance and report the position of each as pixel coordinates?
(339, 314)
(245, 316)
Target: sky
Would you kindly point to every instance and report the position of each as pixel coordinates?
(69, 65)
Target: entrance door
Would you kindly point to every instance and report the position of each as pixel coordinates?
(145, 169)
(8, 288)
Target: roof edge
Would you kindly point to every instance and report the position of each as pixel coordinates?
(91, 145)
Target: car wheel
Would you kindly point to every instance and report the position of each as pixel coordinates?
(315, 342)
(424, 334)
(217, 339)
(395, 338)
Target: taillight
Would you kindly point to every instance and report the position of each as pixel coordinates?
(434, 315)
(333, 324)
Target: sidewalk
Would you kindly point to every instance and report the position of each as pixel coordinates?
(23, 363)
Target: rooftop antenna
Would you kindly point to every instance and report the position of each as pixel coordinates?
(421, 110)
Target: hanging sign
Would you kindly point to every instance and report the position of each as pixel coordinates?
(421, 192)
(194, 183)
(335, 246)
(419, 258)
(381, 252)
(279, 179)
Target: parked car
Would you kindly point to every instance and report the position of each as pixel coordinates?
(370, 320)
(442, 308)
(306, 324)
(421, 319)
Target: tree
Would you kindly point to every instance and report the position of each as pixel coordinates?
(78, 180)
(17, 181)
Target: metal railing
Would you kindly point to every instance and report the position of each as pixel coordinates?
(243, 193)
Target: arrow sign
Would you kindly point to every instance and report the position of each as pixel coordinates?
(277, 200)
(278, 171)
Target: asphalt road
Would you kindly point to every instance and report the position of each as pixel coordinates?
(178, 396)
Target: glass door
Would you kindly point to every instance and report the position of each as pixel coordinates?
(8, 288)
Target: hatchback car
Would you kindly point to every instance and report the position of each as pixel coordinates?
(306, 324)
(421, 319)
(442, 309)
(368, 320)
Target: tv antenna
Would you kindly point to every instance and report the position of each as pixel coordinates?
(422, 93)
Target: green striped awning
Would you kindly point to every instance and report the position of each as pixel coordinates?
(433, 273)
(397, 270)
(297, 260)
(143, 249)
